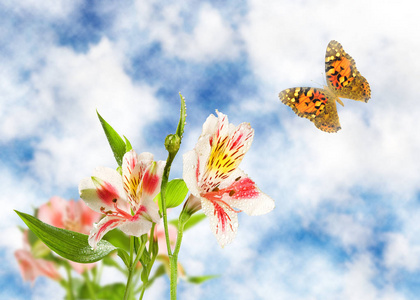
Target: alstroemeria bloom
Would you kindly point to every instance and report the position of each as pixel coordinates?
(126, 200)
(212, 175)
(71, 215)
(31, 267)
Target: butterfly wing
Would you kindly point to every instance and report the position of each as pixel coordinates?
(342, 75)
(317, 105)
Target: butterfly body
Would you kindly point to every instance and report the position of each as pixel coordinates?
(319, 105)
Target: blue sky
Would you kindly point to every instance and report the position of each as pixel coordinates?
(345, 224)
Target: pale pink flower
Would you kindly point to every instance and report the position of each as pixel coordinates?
(126, 200)
(31, 267)
(71, 215)
(212, 175)
(161, 239)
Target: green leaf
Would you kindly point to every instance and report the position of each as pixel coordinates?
(145, 256)
(176, 192)
(68, 244)
(182, 118)
(113, 291)
(200, 279)
(118, 238)
(128, 146)
(114, 139)
(194, 220)
(111, 262)
(174, 222)
(32, 238)
(124, 256)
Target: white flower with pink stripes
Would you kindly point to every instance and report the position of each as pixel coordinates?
(125, 199)
(212, 175)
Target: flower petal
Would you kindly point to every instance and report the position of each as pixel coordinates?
(211, 124)
(152, 179)
(150, 210)
(27, 265)
(193, 165)
(87, 216)
(161, 238)
(31, 268)
(228, 147)
(244, 194)
(141, 222)
(48, 268)
(145, 159)
(99, 230)
(223, 220)
(53, 212)
(104, 186)
(136, 226)
(131, 176)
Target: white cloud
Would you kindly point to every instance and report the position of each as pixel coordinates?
(61, 112)
(18, 193)
(49, 8)
(400, 254)
(210, 39)
(358, 282)
(348, 230)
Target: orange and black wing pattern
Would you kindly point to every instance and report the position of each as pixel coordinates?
(343, 78)
(317, 105)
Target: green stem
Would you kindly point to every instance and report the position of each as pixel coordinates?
(139, 254)
(70, 295)
(173, 260)
(142, 292)
(148, 268)
(130, 269)
(164, 183)
(89, 285)
(99, 273)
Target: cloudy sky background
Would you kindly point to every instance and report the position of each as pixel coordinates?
(347, 204)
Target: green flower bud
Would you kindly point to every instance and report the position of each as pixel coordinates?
(172, 143)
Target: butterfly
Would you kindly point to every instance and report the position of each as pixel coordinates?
(343, 80)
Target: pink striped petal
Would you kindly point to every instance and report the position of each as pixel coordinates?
(223, 220)
(243, 194)
(99, 230)
(142, 220)
(228, 145)
(101, 189)
(152, 179)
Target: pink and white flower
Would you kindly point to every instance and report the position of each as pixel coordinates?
(71, 215)
(212, 175)
(126, 200)
(31, 267)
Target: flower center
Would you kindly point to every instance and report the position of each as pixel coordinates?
(117, 212)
